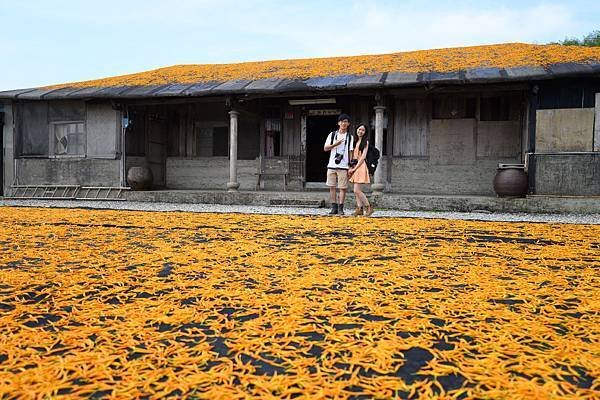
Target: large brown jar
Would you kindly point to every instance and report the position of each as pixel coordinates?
(510, 180)
(140, 178)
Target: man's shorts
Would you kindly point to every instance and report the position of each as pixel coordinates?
(337, 175)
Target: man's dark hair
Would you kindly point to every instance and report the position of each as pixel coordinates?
(343, 117)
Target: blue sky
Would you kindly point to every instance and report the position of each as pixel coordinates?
(56, 41)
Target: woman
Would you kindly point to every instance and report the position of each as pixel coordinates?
(359, 174)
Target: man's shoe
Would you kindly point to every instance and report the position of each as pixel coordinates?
(368, 211)
(358, 211)
(334, 209)
(341, 209)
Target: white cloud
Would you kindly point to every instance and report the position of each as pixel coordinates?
(77, 40)
(388, 27)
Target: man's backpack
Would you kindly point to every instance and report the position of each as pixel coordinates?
(372, 159)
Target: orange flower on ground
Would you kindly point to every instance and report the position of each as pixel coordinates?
(113, 304)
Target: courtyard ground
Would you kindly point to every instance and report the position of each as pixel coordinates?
(118, 304)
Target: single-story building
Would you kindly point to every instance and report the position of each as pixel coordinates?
(443, 119)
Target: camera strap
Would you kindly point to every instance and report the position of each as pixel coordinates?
(346, 141)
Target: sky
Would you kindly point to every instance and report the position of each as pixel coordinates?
(47, 42)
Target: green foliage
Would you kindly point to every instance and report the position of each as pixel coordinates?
(590, 40)
(593, 39)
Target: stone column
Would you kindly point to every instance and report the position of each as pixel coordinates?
(378, 184)
(233, 184)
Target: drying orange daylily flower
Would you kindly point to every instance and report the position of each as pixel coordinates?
(113, 304)
(504, 55)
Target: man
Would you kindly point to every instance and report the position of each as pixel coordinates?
(340, 144)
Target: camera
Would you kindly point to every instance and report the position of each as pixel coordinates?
(338, 158)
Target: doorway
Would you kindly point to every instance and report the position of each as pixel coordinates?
(317, 129)
(156, 154)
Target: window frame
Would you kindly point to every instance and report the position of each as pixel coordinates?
(52, 139)
(496, 112)
(197, 127)
(277, 135)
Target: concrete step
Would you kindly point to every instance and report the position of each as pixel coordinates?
(298, 202)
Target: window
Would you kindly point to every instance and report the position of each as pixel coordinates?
(206, 139)
(272, 137)
(220, 142)
(495, 108)
(272, 143)
(449, 107)
(67, 138)
(565, 94)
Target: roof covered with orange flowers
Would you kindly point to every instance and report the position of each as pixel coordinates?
(500, 62)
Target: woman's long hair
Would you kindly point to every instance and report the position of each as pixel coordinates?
(365, 137)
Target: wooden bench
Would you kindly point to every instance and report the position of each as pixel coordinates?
(272, 166)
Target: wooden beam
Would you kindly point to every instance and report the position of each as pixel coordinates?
(533, 106)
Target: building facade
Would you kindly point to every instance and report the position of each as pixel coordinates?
(440, 133)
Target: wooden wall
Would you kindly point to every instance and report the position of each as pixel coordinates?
(411, 127)
(461, 136)
(454, 148)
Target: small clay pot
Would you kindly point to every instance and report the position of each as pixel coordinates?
(140, 178)
(510, 182)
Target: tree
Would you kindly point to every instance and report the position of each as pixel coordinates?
(590, 40)
(593, 39)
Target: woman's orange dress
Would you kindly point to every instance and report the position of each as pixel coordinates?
(361, 175)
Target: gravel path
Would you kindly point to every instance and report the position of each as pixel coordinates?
(216, 208)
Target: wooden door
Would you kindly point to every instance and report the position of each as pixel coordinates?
(157, 148)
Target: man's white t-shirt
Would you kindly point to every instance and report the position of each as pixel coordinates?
(345, 148)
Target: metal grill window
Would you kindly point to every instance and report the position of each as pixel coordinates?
(68, 139)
